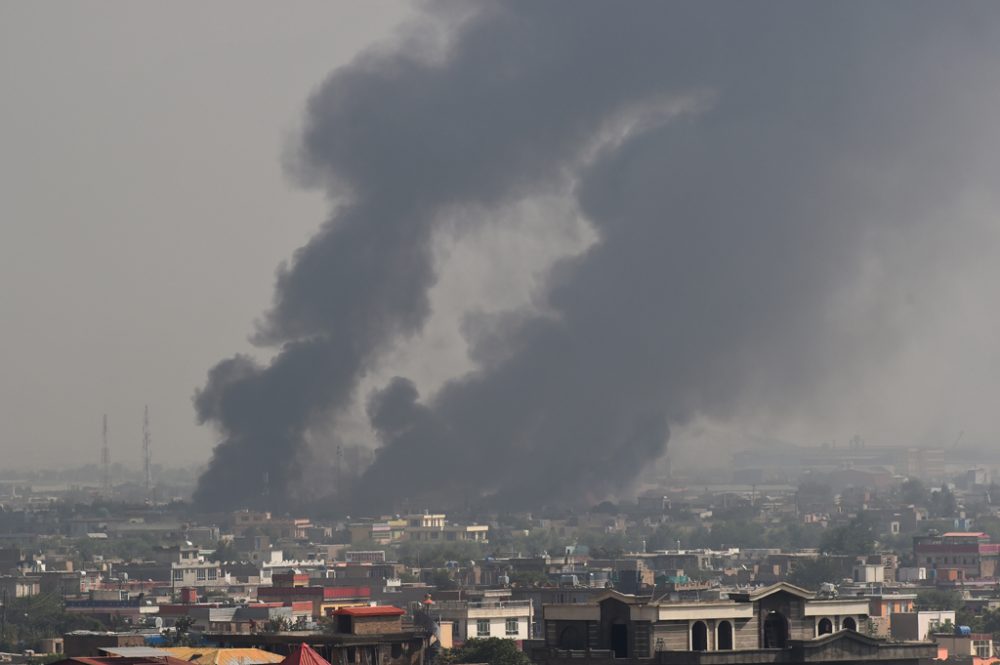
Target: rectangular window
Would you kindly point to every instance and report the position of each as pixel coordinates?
(178, 575)
(512, 627)
(213, 574)
(201, 575)
(482, 628)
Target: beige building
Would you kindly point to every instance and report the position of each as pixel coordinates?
(637, 627)
(431, 528)
(486, 617)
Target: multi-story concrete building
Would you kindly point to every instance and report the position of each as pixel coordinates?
(490, 615)
(189, 569)
(957, 555)
(636, 626)
(913, 626)
(426, 527)
(325, 600)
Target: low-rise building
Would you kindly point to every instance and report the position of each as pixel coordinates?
(405, 647)
(777, 625)
(427, 527)
(484, 617)
(957, 555)
(325, 599)
(636, 626)
(917, 626)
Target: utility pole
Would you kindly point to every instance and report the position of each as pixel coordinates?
(105, 459)
(147, 452)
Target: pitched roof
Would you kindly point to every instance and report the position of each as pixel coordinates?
(379, 611)
(123, 660)
(136, 652)
(628, 599)
(774, 588)
(304, 655)
(212, 656)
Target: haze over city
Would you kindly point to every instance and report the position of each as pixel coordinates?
(566, 332)
(498, 234)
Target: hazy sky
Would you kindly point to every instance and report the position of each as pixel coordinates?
(144, 206)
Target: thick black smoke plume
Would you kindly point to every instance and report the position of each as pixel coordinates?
(742, 164)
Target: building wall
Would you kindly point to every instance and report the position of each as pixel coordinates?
(800, 627)
(917, 625)
(375, 625)
(89, 644)
(561, 634)
(467, 628)
(670, 636)
(747, 633)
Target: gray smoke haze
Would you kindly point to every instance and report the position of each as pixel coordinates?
(757, 176)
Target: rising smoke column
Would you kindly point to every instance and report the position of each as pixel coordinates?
(728, 245)
(725, 232)
(407, 137)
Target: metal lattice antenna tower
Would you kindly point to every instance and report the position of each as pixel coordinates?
(147, 451)
(105, 458)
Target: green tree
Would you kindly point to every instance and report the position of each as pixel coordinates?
(795, 535)
(854, 538)
(943, 503)
(934, 599)
(810, 573)
(736, 534)
(523, 578)
(224, 551)
(181, 634)
(441, 579)
(664, 537)
(913, 492)
(34, 618)
(946, 627)
(990, 621)
(435, 555)
(491, 650)
(990, 526)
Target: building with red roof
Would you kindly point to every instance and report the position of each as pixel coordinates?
(325, 599)
(304, 654)
(957, 555)
(369, 620)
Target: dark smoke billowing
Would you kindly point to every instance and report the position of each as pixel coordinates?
(743, 165)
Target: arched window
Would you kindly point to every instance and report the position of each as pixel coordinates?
(825, 627)
(724, 636)
(699, 636)
(849, 624)
(775, 631)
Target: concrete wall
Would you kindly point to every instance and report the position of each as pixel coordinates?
(374, 625)
(917, 625)
(89, 644)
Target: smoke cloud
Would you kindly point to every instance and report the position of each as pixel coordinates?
(757, 177)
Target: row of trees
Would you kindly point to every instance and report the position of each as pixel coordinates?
(492, 650)
(27, 621)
